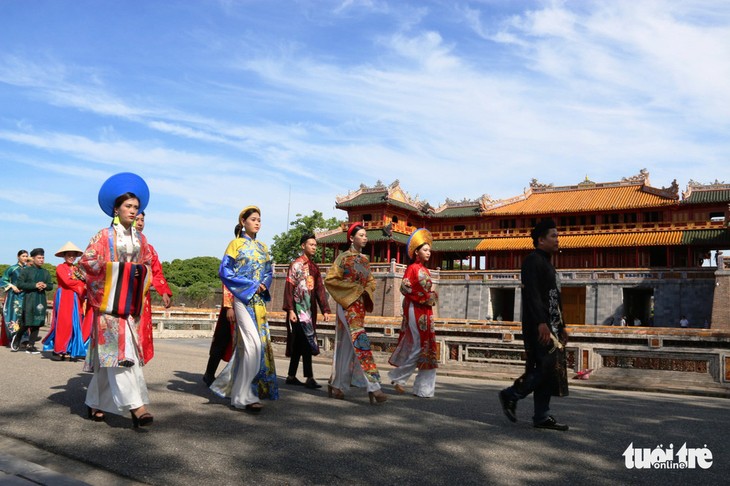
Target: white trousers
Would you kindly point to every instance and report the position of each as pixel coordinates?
(425, 383)
(236, 379)
(118, 390)
(346, 369)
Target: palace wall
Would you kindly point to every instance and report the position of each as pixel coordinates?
(601, 297)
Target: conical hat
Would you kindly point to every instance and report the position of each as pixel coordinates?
(69, 247)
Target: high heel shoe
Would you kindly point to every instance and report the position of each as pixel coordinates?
(333, 392)
(143, 420)
(399, 388)
(377, 397)
(95, 415)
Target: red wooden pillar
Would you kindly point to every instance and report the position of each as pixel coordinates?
(372, 252)
(324, 251)
(397, 253)
(387, 258)
(636, 257)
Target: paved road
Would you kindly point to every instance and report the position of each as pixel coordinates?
(458, 437)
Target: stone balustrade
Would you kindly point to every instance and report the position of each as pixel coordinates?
(700, 357)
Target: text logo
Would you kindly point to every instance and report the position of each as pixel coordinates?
(660, 458)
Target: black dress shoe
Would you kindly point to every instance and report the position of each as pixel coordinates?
(312, 384)
(509, 406)
(551, 423)
(208, 379)
(293, 380)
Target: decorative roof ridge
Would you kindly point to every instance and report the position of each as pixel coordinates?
(642, 178)
(464, 203)
(487, 203)
(693, 185)
(363, 189)
(322, 234)
(671, 192)
(389, 191)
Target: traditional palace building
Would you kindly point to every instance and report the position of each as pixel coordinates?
(626, 247)
(624, 224)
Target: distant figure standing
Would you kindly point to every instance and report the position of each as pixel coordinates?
(543, 333)
(684, 322)
(623, 321)
(303, 290)
(65, 338)
(637, 321)
(13, 306)
(34, 281)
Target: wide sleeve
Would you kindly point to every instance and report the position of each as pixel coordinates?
(159, 282)
(369, 288)
(289, 285)
(319, 294)
(227, 298)
(267, 277)
(66, 280)
(535, 309)
(413, 290)
(241, 284)
(344, 291)
(6, 281)
(93, 263)
(26, 281)
(48, 281)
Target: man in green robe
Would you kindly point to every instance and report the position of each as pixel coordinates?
(34, 281)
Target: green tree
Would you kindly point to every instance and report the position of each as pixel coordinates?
(184, 273)
(199, 293)
(286, 245)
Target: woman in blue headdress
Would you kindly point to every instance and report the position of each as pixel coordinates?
(118, 257)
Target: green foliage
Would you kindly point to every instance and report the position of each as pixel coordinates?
(198, 293)
(52, 270)
(286, 245)
(198, 270)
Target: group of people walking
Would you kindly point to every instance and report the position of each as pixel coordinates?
(249, 376)
(114, 331)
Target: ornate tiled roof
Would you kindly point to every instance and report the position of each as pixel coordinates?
(716, 192)
(588, 196)
(601, 240)
(458, 210)
(720, 238)
(379, 194)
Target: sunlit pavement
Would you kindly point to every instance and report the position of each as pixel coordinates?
(458, 437)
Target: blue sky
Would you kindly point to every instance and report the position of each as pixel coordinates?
(223, 103)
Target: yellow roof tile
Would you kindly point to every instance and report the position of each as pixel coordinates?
(601, 240)
(581, 200)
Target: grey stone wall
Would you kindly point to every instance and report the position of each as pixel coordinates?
(481, 298)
